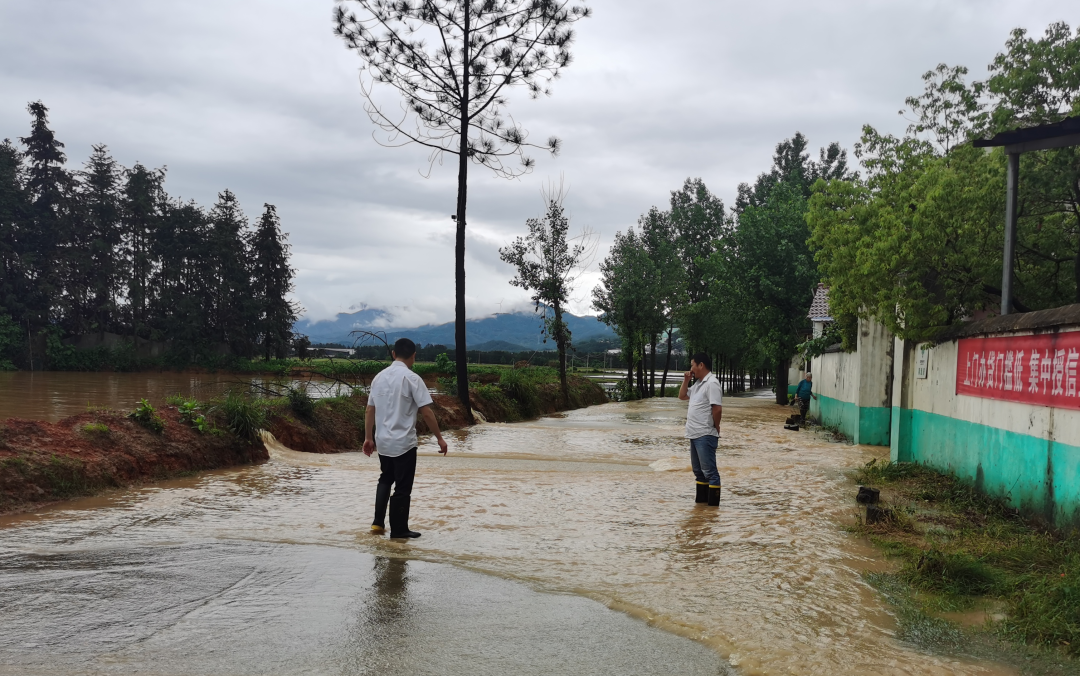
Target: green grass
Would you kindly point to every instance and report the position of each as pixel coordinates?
(95, 428)
(242, 415)
(959, 548)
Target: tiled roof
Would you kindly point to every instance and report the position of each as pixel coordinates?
(819, 307)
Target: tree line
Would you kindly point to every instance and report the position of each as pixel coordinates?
(913, 240)
(917, 242)
(104, 249)
(735, 283)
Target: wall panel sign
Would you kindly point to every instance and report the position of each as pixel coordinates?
(1039, 370)
(922, 363)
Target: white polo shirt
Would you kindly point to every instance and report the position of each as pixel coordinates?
(704, 394)
(397, 393)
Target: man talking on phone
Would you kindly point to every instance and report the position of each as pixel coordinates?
(397, 394)
(703, 425)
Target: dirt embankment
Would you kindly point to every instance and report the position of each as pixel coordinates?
(337, 425)
(87, 453)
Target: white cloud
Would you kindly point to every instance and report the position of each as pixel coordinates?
(261, 98)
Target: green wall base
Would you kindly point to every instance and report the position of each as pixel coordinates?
(1035, 475)
(862, 424)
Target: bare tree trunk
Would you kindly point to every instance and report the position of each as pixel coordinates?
(459, 251)
(560, 342)
(667, 363)
(640, 354)
(629, 371)
(781, 381)
(652, 367)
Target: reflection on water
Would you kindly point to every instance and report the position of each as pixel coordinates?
(598, 503)
(51, 395)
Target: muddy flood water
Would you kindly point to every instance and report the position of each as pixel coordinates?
(567, 545)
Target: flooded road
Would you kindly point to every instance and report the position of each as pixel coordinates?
(271, 569)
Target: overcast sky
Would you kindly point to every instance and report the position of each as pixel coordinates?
(259, 97)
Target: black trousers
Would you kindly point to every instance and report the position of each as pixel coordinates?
(398, 473)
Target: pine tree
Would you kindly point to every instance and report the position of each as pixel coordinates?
(183, 280)
(14, 212)
(44, 234)
(233, 305)
(93, 275)
(143, 198)
(272, 281)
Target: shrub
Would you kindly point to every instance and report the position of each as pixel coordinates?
(444, 364)
(447, 385)
(520, 385)
(300, 401)
(145, 415)
(243, 416)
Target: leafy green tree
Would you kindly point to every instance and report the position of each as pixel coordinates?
(272, 282)
(548, 265)
(625, 299)
(918, 244)
(455, 62)
(660, 240)
(767, 268)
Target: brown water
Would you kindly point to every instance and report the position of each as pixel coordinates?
(596, 504)
(52, 395)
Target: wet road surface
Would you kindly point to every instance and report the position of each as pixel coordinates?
(280, 572)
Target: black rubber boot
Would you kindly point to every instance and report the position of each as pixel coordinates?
(702, 492)
(382, 498)
(714, 496)
(399, 517)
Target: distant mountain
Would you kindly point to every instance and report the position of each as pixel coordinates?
(517, 330)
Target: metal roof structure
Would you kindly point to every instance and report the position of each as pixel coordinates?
(1061, 134)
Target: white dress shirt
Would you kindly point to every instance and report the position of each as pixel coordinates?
(397, 393)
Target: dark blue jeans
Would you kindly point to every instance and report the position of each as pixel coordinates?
(703, 459)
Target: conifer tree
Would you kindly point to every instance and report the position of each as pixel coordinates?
(93, 273)
(272, 282)
(142, 201)
(234, 307)
(14, 212)
(44, 233)
(184, 279)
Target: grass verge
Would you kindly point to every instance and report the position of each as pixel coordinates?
(962, 552)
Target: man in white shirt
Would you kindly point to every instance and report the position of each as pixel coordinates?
(396, 395)
(703, 425)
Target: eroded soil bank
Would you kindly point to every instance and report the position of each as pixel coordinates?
(85, 454)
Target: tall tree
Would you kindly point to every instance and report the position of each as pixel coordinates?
(94, 274)
(625, 299)
(455, 62)
(548, 265)
(658, 236)
(143, 198)
(272, 282)
(48, 186)
(234, 306)
(14, 213)
(184, 281)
